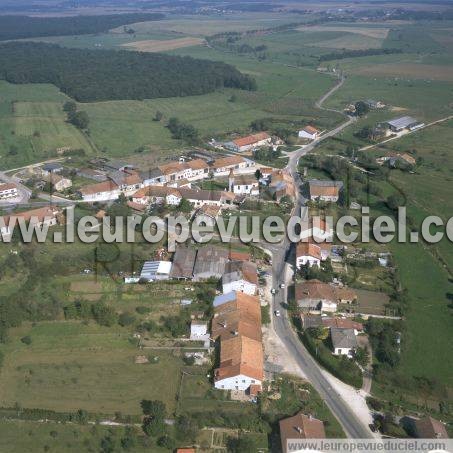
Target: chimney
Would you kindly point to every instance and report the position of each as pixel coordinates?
(299, 429)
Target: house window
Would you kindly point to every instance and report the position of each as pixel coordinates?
(243, 381)
(252, 381)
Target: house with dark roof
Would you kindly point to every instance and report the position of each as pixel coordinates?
(183, 263)
(210, 262)
(344, 341)
(300, 426)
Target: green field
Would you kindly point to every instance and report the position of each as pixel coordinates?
(70, 366)
(32, 124)
(22, 436)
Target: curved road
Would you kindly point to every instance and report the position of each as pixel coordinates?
(353, 427)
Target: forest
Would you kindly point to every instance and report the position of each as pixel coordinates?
(18, 27)
(101, 75)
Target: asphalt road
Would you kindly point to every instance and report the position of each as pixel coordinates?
(283, 254)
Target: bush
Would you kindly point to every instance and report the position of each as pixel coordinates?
(341, 367)
(26, 340)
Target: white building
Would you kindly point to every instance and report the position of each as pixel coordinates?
(240, 276)
(250, 142)
(308, 253)
(223, 166)
(344, 341)
(321, 190)
(102, 191)
(309, 132)
(155, 270)
(199, 331)
(241, 364)
(8, 190)
(244, 185)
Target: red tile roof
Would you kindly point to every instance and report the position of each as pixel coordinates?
(251, 139)
(308, 249)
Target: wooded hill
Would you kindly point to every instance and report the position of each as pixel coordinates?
(18, 27)
(101, 75)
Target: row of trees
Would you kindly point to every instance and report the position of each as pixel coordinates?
(357, 53)
(101, 75)
(79, 119)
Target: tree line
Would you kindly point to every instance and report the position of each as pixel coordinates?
(357, 53)
(101, 75)
(17, 27)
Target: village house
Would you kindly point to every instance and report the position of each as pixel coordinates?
(157, 195)
(342, 323)
(240, 276)
(152, 177)
(101, 191)
(8, 190)
(209, 211)
(249, 142)
(199, 169)
(243, 184)
(128, 181)
(300, 426)
(236, 313)
(281, 185)
(51, 167)
(344, 341)
(174, 171)
(45, 216)
(430, 428)
(241, 364)
(314, 295)
(58, 182)
(223, 165)
(328, 191)
(309, 132)
(308, 253)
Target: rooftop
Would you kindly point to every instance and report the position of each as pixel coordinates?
(343, 338)
(301, 426)
(402, 122)
(251, 139)
(183, 262)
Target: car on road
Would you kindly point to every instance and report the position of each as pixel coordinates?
(273, 291)
(277, 312)
(282, 285)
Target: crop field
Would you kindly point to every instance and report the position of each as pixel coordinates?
(110, 40)
(154, 45)
(32, 124)
(409, 70)
(71, 365)
(371, 32)
(204, 25)
(353, 41)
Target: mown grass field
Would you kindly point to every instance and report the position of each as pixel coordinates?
(70, 365)
(32, 124)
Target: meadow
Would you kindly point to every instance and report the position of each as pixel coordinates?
(20, 436)
(71, 366)
(32, 124)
